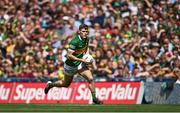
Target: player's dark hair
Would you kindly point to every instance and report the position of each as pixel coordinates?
(83, 26)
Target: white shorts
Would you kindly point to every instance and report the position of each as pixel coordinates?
(70, 70)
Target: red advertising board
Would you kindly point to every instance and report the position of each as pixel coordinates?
(6, 90)
(108, 92)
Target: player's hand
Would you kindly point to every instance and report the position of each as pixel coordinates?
(87, 62)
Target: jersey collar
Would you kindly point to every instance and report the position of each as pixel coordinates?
(79, 37)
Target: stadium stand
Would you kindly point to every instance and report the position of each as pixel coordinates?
(130, 39)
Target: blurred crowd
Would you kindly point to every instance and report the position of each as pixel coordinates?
(128, 38)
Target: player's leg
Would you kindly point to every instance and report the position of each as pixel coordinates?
(86, 73)
(60, 83)
(68, 77)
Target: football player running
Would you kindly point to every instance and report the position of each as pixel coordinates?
(75, 63)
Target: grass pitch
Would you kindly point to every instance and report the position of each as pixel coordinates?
(87, 108)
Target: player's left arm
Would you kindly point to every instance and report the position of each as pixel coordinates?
(72, 57)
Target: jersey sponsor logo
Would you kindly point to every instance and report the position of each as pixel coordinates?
(80, 51)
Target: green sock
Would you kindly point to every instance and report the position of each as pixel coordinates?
(94, 95)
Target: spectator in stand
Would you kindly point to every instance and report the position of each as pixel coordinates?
(136, 35)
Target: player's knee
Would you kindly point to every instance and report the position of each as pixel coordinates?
(90, 80)
(59, 83)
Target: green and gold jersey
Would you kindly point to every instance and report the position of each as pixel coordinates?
(79, 46)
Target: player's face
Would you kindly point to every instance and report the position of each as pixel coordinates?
(83, 33)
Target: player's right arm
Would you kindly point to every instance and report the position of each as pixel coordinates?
(72, 57)
(70, 52)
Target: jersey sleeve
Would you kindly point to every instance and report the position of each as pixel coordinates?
(72, 45)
